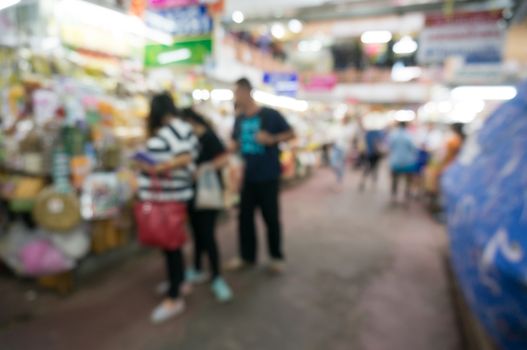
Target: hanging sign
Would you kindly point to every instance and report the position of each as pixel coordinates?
(319, 82)
(193, 51)
(181, 21)
(285, 84)
(475, 36)
(217, 4)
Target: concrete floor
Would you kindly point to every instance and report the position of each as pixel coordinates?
(361, 275)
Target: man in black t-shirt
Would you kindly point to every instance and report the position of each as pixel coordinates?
(257, 133)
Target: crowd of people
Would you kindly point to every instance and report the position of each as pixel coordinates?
(417, 154)
(183, 146)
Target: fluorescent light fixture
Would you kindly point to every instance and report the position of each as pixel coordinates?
(444, 107)
(295, 26)
(238, 17)
(492, 93)
(405, 46)
(201, 95)
(469, 107)
(376, 37)
(174, 56)
(158, 36)
(8, 3)
(99, 16)
(309, 46)
(280, 101)
(222, 95)
(404, 115)
(278, 30)
(401, 73)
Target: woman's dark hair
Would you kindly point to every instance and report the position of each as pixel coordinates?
(458, 129)
(192, 116)
(245, 84)
(162, 105)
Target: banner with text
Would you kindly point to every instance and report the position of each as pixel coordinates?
(477, 37)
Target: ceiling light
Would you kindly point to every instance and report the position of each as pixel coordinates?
(404, 115)
(238, 17)
(376, 37)
(8, 3)
(295, 26)
(280, 101)
(278, 30)
(201, 95)
(221, 95)
(405, 46)
(401, 73)
(100, 16)
(309, 46)
(496, 93)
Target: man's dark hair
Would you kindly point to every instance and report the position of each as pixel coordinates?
(403, 125)
(244, 83)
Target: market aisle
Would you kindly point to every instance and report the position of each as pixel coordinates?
(361, 275)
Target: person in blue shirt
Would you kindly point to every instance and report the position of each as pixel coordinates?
(373, 142)
(403, 158)
(257, 133)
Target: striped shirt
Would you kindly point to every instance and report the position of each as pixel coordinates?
(173, 140)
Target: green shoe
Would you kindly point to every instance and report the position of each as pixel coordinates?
(195, 277)
(221, 290)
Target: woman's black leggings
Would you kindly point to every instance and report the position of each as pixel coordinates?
(203, 224)
(176, 270)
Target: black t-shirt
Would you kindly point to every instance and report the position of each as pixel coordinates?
(261, 163)
(210, 147)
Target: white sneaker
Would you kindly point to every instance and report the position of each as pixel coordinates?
(276, 266)
(163, 288)
(167, 310)
(237, 264)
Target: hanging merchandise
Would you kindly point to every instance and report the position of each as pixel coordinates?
(61, 170)
(11, 244)
(57, 211)
(24, 193)
(102, 196)
(40, 257)
(111, 156)
(31, 148)
(75, 245)
(81, 167)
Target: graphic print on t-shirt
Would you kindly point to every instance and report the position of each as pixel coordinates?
(249, 129)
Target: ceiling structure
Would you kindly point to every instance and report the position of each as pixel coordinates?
(323, 10)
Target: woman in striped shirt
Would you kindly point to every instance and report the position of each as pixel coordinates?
(172, 149)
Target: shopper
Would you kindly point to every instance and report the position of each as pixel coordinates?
(403, 158)
(172, 148)
(257, 134)
(212, 156)
(374, 143)
(340, 152)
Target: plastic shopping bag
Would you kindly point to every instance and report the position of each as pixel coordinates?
(209, 192)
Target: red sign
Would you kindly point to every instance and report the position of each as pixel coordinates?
(216, 6)
(325, 82)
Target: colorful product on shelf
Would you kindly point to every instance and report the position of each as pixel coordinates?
(57, 211)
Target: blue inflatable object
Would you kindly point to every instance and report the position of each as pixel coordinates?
(486, 202)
